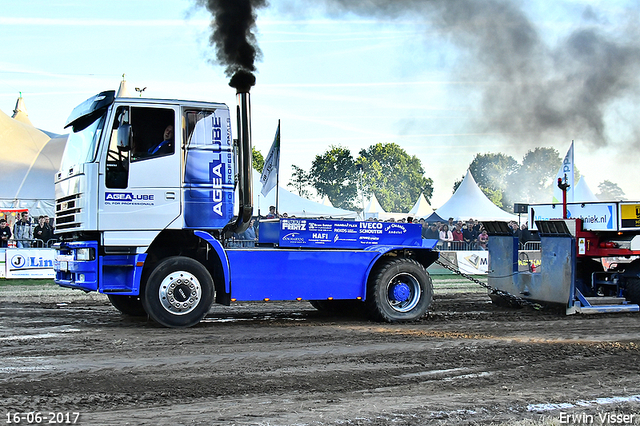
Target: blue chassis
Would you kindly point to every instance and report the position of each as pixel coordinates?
(250, 274)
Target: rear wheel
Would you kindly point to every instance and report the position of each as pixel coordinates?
(399, 290)
(632, 292)
(179, 292)
(128, 305)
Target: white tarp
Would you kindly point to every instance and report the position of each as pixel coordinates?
(469, 202)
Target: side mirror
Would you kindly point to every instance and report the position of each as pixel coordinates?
(125, 134)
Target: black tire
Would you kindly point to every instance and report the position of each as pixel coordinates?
(128, 305)
(632, 290)
(179, 292)
(398, 290)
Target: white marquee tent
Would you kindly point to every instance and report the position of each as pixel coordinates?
(470, 202)
(582, 193)
(421, 209)
(373, 209)
(31, 160)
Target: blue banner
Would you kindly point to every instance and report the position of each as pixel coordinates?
(347, 234)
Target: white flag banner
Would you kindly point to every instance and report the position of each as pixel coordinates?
(269, 177)
(566, 171)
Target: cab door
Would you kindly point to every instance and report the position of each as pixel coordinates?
(140, 182)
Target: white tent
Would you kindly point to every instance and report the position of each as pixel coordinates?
(31, 161)
(123, 90)
(373, 209)
(421, 208)
(470, 202)
(292, 204)
(582, 193)
(20, 112)
(326, 201)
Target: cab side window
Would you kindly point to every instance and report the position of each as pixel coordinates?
(153, 132)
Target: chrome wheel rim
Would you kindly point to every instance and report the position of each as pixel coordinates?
(180, 292)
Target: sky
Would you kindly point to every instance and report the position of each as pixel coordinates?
(443, 79)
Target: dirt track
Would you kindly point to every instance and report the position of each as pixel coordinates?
(467, 362)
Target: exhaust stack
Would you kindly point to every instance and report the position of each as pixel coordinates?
(245, 163)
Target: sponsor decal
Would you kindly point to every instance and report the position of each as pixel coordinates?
(128, 198)
(293, 237)
(371, 227)
(294, 225)
(395, 228)
(216, 172)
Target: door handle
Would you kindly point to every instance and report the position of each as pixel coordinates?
(170, 195)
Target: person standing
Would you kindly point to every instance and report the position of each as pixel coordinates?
(5, 233)
(43, 231)
(446, 237)
(23, 231)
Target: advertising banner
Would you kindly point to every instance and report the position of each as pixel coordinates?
(29, 263)
(629, 216)
(347, 234)
(595, 216)
(475, 262)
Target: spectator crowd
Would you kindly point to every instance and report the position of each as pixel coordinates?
(25, 233)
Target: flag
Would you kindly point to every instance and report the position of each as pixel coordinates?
(566, 169)
(269, 177)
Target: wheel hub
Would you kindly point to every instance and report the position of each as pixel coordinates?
(180, 292)
(401, 292)
(404, 292)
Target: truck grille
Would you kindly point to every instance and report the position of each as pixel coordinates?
(67, 209)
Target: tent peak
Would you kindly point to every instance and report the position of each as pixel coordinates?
(20, 111)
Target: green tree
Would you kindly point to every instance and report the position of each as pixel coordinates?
(535, 179)
(257, 159)
(300, 181)
(334, 174)
(609, 191)
(395, 177)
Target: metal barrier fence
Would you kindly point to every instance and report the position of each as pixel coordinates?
(464, 246)
(30, 243)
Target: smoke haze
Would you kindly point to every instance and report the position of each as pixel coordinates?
(532, 88)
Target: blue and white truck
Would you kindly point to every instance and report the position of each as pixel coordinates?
(146, 218)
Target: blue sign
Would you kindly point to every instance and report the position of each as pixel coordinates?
(347, 234)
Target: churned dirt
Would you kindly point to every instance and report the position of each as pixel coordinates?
(467, 362)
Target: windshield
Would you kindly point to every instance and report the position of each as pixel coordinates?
(82, 146)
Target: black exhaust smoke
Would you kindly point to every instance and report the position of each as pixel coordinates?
(236, 48)
(236, 45)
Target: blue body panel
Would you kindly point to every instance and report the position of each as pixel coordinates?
(304, 274)
(113, 274)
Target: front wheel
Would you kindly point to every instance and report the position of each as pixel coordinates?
(179, 292)
(399, 290)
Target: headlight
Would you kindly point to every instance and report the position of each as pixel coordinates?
(84, 254)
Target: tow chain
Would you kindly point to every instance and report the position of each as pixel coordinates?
(512, 298)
